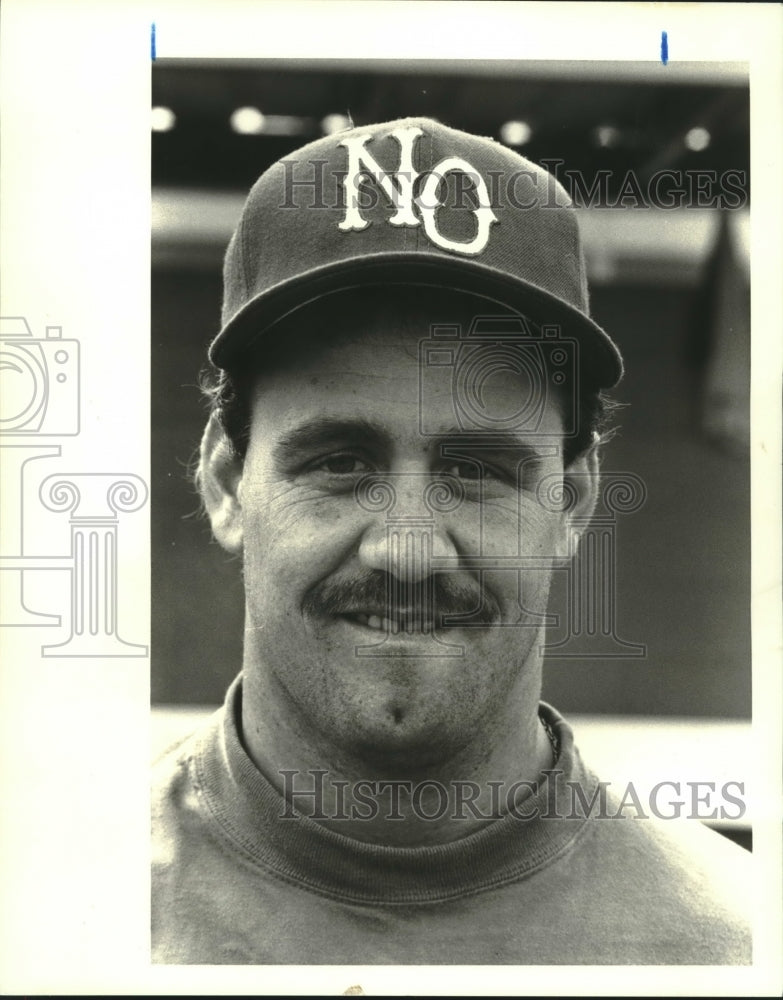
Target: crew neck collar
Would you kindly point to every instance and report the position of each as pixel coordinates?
(249, 813)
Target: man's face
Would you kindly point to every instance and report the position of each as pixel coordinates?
(358, 531)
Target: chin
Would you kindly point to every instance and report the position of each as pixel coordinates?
(402, 738)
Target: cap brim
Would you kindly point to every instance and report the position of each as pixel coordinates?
(600, 359)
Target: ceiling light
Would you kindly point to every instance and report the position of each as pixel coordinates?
(247, 121)
(163, 119)
(515, 133)
(697, 139)
(606, 136)
(335, 123)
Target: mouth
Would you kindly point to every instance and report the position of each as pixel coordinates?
(408, 623)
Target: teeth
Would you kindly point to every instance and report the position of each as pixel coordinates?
(393, 626)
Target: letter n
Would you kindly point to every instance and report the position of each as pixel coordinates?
(361, 164)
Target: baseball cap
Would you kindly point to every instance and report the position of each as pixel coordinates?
(411, 202)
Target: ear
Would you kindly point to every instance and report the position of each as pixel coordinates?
(582, 482)
(220, 481)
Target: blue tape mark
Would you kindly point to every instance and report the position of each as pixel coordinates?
(152, 42)
(664, 46)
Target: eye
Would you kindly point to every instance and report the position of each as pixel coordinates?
(475, 472)
(343, 464)
(466, 470)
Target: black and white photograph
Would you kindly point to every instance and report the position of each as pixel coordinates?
(405, 538)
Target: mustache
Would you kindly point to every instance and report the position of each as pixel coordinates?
(433, 598)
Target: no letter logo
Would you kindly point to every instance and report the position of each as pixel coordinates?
(400, 191)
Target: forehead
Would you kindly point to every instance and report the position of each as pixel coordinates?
(398, 350)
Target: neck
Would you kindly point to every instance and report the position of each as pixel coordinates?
(392, 798)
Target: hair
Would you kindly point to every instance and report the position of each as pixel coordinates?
(229, 393)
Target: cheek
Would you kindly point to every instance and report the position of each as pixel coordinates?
(534, 536)
(295, 537)
(516, 526)
(541, 532)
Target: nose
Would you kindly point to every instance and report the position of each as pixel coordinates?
(408, 534)
(405, 550)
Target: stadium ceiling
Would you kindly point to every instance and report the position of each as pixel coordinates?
(592, 117)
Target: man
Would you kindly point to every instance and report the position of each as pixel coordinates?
(403, 446)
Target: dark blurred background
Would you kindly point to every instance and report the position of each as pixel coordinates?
(670, 285)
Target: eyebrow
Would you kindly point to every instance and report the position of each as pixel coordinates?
(454, 442)
(327, 431)
(458, 439)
